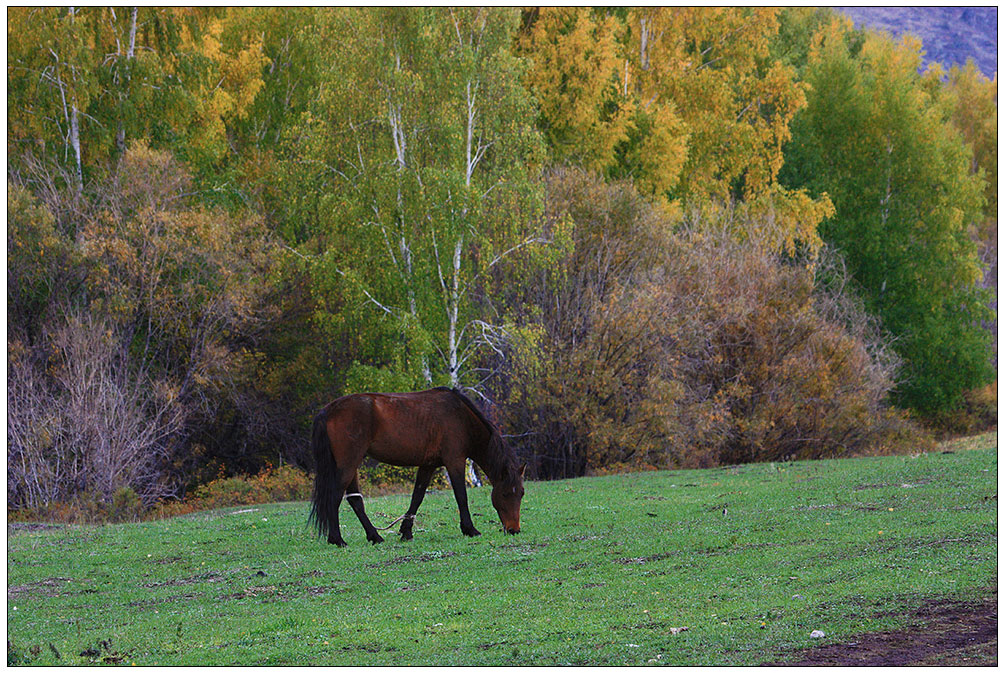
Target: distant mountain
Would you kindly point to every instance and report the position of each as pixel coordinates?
(950, 35)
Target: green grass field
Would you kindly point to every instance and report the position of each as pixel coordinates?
(749, 560)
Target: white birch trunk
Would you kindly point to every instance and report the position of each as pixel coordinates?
(644, 43)
(132, 34)
(399, 139)
(75, 144)
(452, 312)
(75, 127)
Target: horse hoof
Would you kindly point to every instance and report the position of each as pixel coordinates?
(377, 540)
(472, 533)
(338, 543)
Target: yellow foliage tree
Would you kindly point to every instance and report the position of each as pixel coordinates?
(687, 102)
(230, 48)
(575, 73)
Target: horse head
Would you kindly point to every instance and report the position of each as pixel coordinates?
(506, 497)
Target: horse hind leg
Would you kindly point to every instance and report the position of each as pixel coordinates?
(340, 480)
(355, 499)
(334, 530)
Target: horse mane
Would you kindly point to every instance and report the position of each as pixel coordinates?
(474, 409)
(498, 453)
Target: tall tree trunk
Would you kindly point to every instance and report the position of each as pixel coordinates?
(75, 128)
(120, 135)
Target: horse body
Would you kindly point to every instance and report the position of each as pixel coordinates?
(428, 429)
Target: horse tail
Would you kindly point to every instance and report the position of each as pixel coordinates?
(323, 505)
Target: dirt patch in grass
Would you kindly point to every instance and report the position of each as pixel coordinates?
(48, 587)
(29, 527)
(863, 487)
(419, 558)
(250, 592)
(197, 579)
(642, 560)
(944, 633)
(166, 561)
(165, 599)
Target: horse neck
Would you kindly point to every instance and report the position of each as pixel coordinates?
(494, 459)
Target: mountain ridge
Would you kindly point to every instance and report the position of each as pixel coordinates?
(949, 35)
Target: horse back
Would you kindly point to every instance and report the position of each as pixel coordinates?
(429, 428)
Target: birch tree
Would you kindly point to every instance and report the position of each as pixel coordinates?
(49, 83)
(83, 82)
(424, 140)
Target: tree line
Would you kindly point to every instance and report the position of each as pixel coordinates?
(642, 238)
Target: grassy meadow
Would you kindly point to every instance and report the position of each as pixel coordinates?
(726, 566)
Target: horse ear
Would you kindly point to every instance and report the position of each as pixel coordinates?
(523, 468)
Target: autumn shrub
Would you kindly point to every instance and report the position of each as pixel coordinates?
(978, 412)
(81, 424)
(764, 374)
(279, 484)
(698, 350)
(616, 236)
(86, 507)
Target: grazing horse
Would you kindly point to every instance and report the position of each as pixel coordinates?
(428, 429)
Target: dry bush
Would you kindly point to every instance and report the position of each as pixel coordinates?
(88, 424)
(765, 374)
(616, 236)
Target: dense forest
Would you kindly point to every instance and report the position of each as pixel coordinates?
(640, 238)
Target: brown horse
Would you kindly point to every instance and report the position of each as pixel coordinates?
(428, 429)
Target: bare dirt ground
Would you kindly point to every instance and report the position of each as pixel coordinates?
(945, 633)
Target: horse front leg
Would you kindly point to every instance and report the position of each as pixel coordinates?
(355, 499)
(456, 474)
(422, 479)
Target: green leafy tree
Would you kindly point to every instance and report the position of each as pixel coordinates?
(900, 178)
